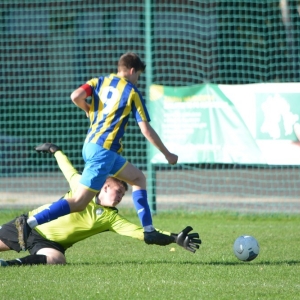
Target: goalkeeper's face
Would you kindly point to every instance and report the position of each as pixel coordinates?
(111, 194)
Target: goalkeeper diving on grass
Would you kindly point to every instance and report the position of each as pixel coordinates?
(47, 243)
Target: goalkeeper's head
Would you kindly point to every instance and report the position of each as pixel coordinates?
(112, 192)
(130, 66)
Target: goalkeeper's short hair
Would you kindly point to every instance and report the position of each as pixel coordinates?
(125, 185)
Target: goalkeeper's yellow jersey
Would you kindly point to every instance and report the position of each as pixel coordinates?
(75, 227)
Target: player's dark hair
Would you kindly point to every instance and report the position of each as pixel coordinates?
(125, 185)
(131, 60)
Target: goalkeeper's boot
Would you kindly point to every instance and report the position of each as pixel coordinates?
(47, 148)
(3, 263)
(24, 231)
(157, 238)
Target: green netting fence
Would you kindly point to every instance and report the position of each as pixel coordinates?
(49, 48)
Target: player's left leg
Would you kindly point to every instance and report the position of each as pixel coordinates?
(99, 162)
(97, 168)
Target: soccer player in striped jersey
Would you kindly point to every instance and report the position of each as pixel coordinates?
(47, 243)
(114, 97)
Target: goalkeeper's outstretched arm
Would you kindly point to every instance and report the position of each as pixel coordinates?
(189, 241)
(70, 173)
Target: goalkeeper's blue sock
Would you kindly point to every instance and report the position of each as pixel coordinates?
(142, 207)
(57, 209)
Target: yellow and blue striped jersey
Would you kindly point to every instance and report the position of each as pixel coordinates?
(75, 227)
(113, 99)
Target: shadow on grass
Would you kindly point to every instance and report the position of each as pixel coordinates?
(212, 263)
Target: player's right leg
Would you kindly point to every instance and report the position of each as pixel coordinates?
(135, 177)
(132, 176)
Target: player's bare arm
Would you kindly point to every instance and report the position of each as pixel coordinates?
(151, 135)
(78, 97)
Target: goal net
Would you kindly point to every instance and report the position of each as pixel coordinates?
(49, 48)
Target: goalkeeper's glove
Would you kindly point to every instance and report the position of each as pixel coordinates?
(157, 238)
(47, 148)
(190, 242)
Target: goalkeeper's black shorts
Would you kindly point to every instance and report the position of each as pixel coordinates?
(35, 242)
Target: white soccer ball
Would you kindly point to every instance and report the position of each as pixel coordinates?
(246, 248)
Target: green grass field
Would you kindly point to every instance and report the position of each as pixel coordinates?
(108, 266)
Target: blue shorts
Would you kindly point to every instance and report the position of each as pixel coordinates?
(99, 164)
